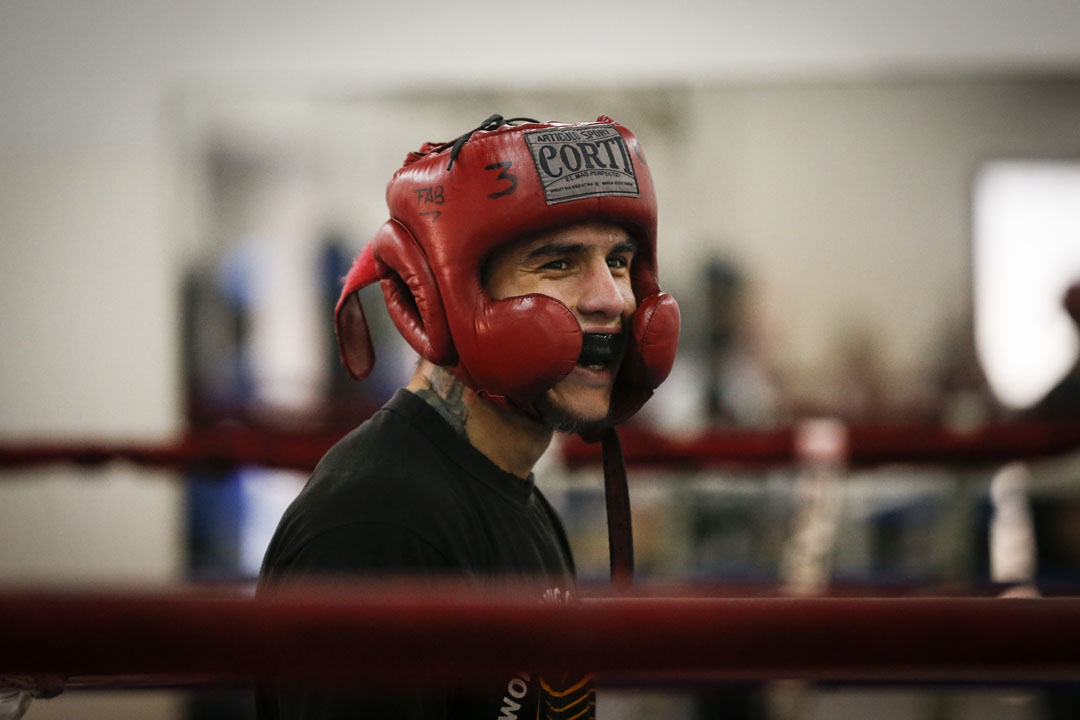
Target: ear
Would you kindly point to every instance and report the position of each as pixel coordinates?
(412, 293)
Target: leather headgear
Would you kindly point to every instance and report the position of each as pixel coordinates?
(452, 204)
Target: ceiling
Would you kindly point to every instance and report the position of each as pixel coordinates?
(100, 66)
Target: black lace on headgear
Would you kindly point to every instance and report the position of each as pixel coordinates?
(492, 123)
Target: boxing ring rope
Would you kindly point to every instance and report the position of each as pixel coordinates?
(224, 448)
(221, 449)
(329, 636)
(867, 445)
(190, 638)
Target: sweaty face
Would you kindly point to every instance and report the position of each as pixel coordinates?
(587, 268)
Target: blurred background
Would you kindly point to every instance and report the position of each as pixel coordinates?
(869, 212)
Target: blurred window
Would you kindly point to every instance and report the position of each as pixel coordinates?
(1026, 254)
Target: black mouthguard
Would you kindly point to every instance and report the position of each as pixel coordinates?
(600, 348)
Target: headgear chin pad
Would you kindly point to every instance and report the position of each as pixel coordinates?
(451, 205)
(650, 356)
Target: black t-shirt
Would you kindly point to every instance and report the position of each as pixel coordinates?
(404, 495)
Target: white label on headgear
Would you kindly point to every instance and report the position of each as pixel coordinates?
(582, 162)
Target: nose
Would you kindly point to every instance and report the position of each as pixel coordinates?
(604, 295)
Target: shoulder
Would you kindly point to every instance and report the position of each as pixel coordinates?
(382, 498)
(387, 470)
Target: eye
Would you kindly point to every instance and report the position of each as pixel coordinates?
(560, 264)
(618, 262)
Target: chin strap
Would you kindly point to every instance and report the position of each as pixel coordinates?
(617, 496)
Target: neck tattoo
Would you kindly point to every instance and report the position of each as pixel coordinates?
(444, 393)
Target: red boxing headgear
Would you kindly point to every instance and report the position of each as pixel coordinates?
(452, 204)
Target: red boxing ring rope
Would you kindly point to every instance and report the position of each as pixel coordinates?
(381, 637)
(273, 447)
(866, 445)
(344, 635)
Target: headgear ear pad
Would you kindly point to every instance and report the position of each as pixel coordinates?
(412, 299)
(449, 214)
(412, 295)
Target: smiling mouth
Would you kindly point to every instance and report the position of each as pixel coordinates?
(600, 351)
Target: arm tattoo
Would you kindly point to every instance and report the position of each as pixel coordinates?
(444, 393)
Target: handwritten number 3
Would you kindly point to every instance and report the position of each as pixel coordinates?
(504, 175)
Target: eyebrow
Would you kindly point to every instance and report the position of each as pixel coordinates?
(548, 249)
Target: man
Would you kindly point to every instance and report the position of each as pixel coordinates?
(1062, 402)
(519, 262)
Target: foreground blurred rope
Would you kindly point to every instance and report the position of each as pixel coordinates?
(433, 633)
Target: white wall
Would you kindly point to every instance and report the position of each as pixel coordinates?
(851, 202)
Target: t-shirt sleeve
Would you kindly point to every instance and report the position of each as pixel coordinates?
(355, 550)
